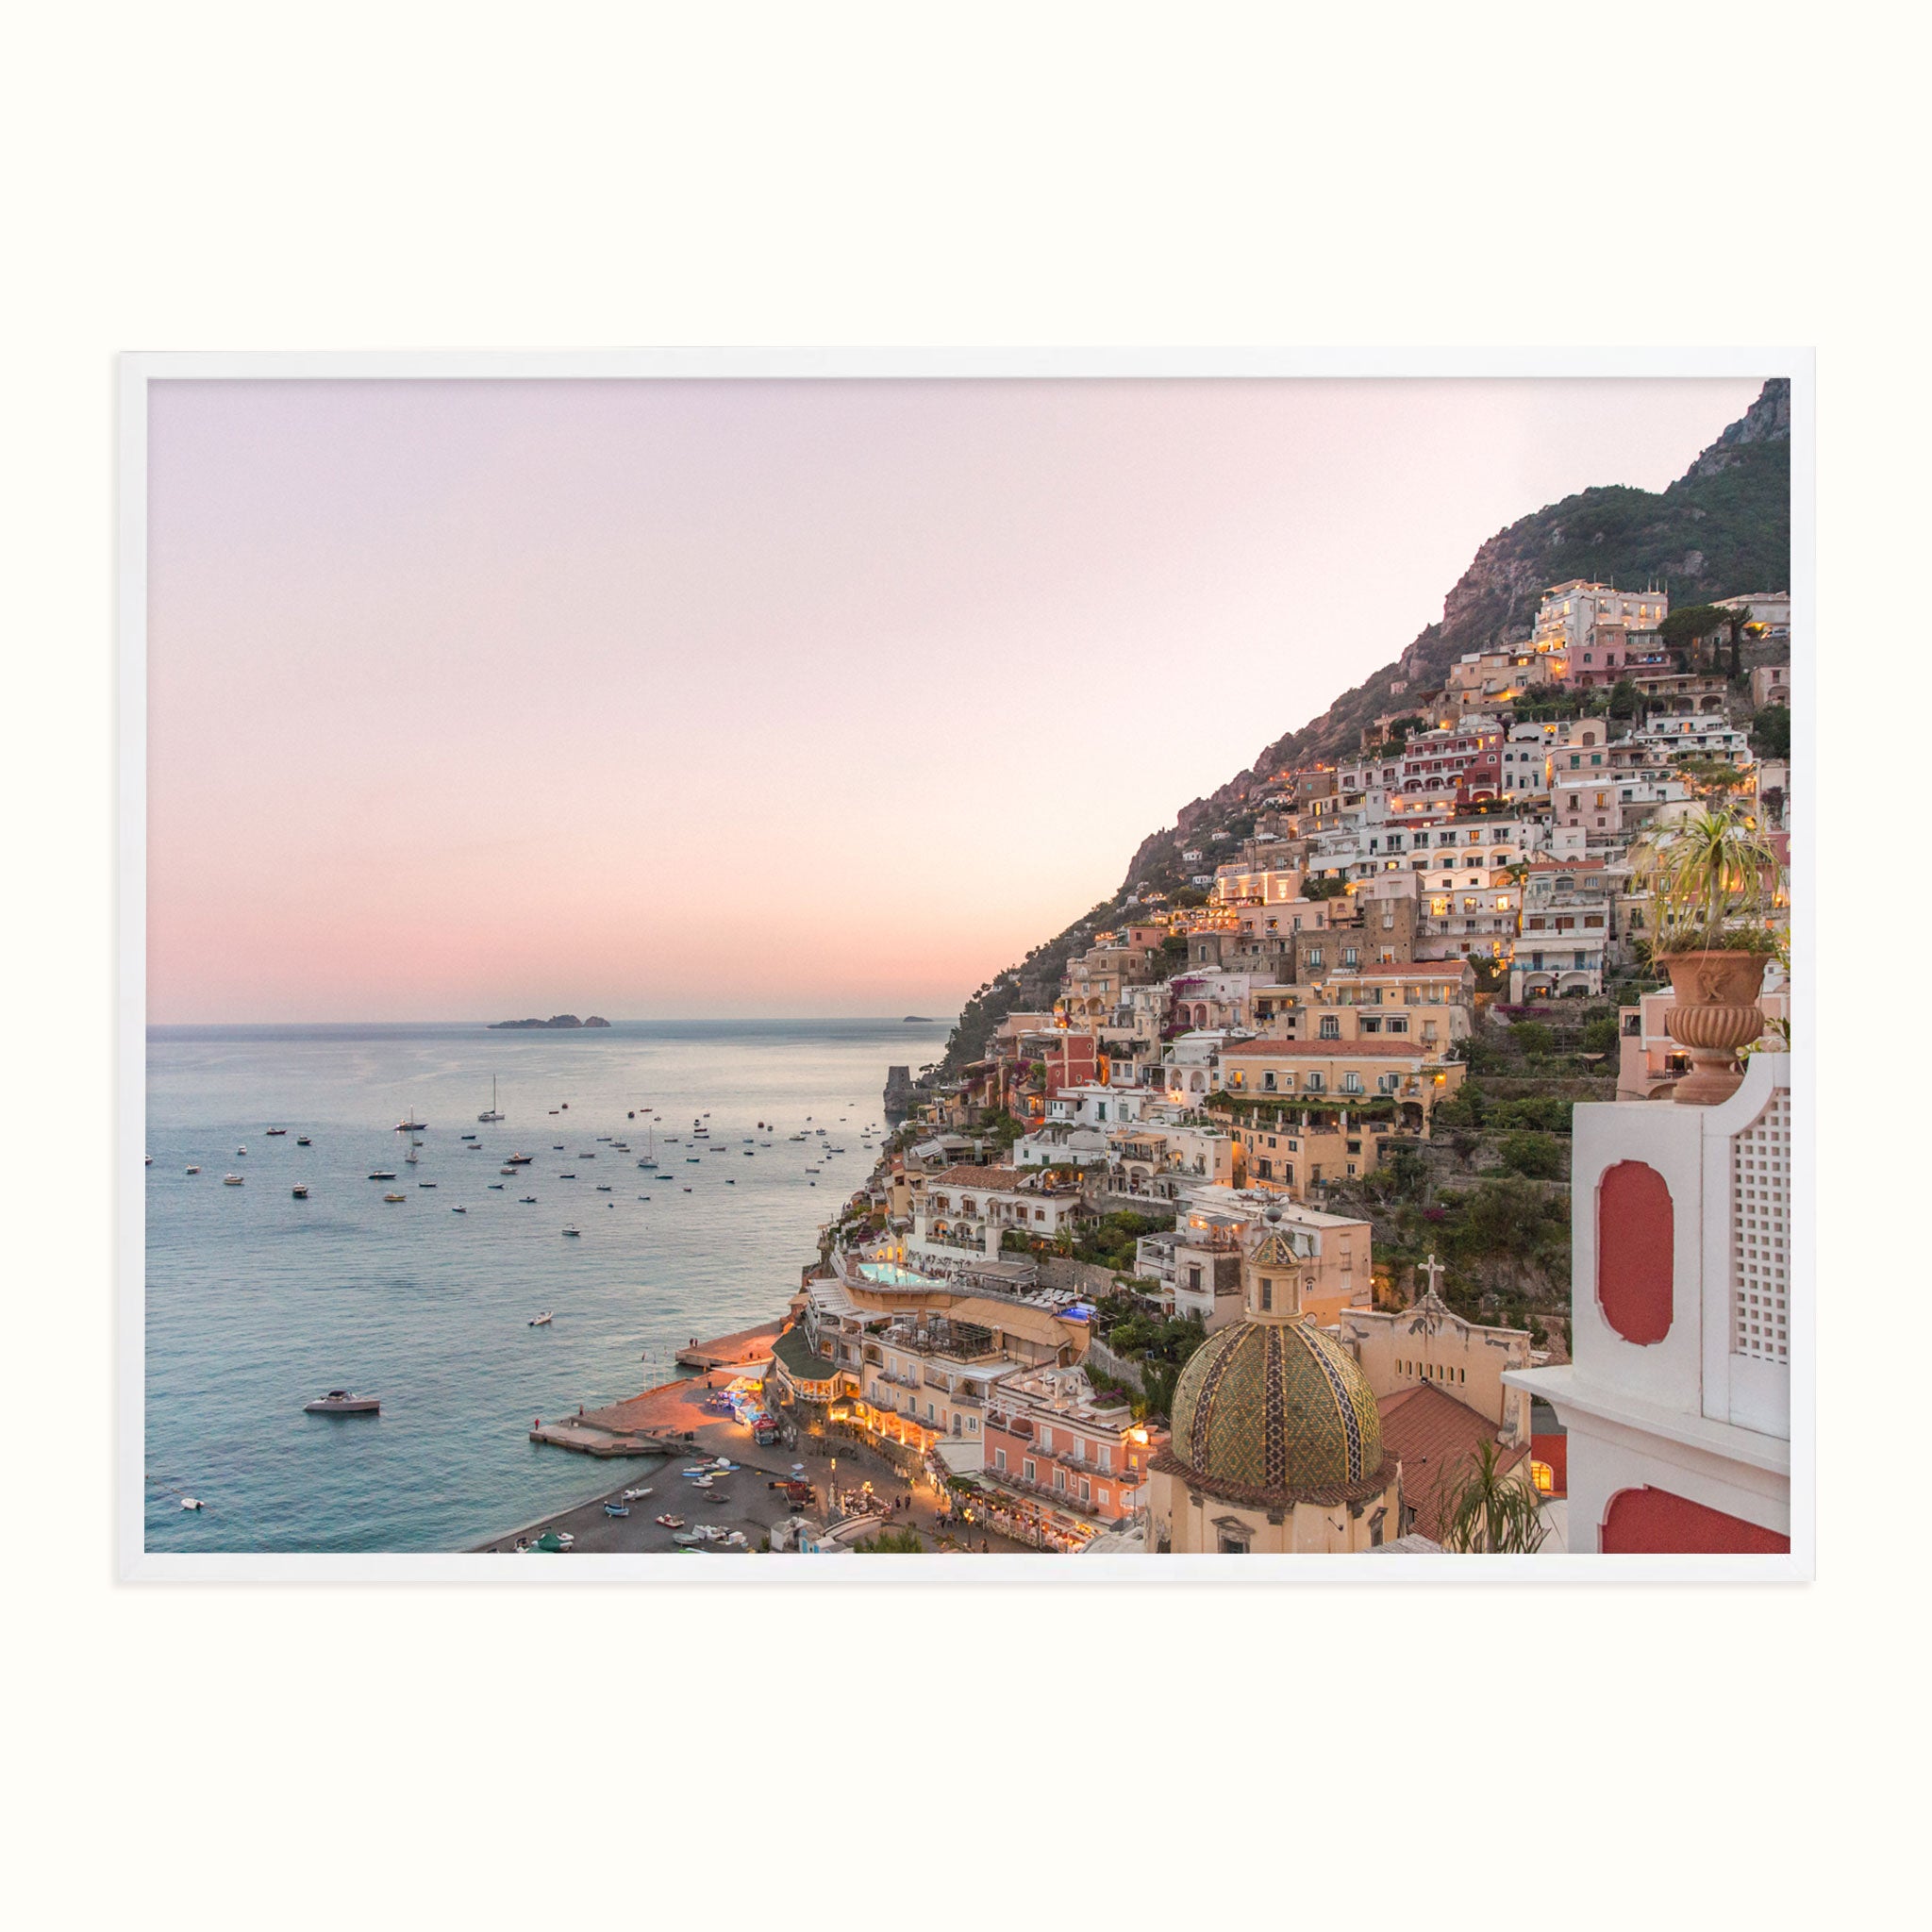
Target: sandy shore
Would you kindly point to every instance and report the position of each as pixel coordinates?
(743, 1501)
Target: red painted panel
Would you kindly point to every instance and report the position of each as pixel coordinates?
(1555, 1452)
(1653, 1522)
(1633, 1235)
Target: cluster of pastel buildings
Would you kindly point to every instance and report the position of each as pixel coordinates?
(1314, 1416)
(1225, 1055)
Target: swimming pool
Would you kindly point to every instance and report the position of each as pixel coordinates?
(890, 1275)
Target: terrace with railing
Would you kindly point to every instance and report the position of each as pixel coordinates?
(961, 1341)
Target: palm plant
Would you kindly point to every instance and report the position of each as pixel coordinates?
(1706, 872)
(1488, 1511)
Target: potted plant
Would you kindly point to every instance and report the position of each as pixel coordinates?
(1714, 884)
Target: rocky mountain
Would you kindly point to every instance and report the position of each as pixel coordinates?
(1722, 528)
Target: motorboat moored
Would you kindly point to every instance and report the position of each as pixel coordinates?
(541, 1321)
(300, 1190)
(231, 1180)
(571, 1233)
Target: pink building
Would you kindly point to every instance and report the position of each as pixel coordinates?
(1055, 1443)
(1434, 762)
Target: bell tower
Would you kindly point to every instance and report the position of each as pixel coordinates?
(1273, 1273)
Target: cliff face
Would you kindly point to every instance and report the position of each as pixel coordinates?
(1723, 527)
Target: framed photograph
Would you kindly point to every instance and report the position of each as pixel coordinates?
(1046, 964)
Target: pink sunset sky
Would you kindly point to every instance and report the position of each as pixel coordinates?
(469, 700)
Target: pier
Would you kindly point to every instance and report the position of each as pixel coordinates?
(745, 1349)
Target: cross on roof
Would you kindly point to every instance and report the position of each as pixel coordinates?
(1434, 1269)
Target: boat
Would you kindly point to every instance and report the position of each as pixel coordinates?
(300, 1190)
(730, 1181)
(409, 1159)
(383, 1173)
(522, 1159)
(497, 1187)
(148, 1161)
(570, 1176)
(692, 1161)
(748, 1152)
(686, 1191)
(650, 1158)
(541, 1321)
(231, 1180)
(527, 1200)
(554, 1543)
(341, 1402)
(670, 1522)
(302, 1140)
(572, 1232)
(557, 1146)
(603, 1188)
(459, 1210)
(192, 1503)
(272, 1132)
(506, 1169)
(617, 1508)
(638, 1494)
(194, 1170)
(426, 1184)
(240, 1150)
(395, 1197)
(406, 1126)
(491, 1113)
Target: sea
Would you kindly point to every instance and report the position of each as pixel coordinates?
(258, 1302)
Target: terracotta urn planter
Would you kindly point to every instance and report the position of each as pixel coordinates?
(1716, 1016)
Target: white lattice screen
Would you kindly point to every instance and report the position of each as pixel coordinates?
(1761, 1233)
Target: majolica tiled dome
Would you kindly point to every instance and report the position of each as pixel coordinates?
(1275, 1411)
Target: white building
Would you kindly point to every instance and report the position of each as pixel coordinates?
(1571, 611)
(1708, 734)
(1566, 928)
(1677, 1396)
(1059, 1144)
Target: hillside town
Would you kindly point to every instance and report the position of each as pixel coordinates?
(1400, 1164)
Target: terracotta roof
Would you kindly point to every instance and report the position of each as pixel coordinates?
(987, 1177)
(1324, 1049)
(1434, 1435)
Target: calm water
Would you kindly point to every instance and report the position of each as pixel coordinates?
(257, 1302)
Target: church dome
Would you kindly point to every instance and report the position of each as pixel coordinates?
(1276, 1413)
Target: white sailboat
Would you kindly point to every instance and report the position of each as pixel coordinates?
(650, 1160)
(492, 1114)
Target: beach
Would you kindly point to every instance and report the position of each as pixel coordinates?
(742, 1500)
